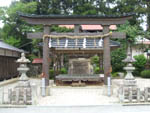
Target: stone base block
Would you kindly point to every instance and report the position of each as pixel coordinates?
(129, 82)
(107, 90)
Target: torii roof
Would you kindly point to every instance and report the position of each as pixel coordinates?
(75, 19)
(54, 16)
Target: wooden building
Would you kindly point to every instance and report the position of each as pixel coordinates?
(8, 57)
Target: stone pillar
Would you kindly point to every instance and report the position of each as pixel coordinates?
(34, 94)
(106, 55)
(45, 66)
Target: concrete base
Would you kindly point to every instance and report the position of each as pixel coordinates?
(105, 90)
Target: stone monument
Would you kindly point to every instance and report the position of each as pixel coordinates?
(80, 66)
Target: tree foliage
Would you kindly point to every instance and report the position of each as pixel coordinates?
(139, 64)
(14, 29)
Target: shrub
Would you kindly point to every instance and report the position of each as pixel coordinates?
(96, 70)
(145, 74)
(116, 59)
(95, 60)
(139, 64)
(115, 74)
(63, 71)
(51, 74)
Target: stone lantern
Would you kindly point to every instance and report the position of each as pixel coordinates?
(129, 79)
(129, 91)
(23, 80)
(22, 93)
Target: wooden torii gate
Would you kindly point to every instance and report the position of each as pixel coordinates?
(77, 20)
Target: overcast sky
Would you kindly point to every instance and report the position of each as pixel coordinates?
(5, 2)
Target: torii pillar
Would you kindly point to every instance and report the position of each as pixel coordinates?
(106, 55)
(45, 65)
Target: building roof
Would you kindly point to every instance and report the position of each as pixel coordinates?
(4, 45)
(85, 43)
(90, 27)
(142, 40)
(38, 61)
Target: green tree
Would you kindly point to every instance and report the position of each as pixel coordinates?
(132, 31)
(14, 28)
(84, 7)
(116, 59)
(139, 64)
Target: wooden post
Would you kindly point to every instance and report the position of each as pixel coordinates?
(106, 55)
(46, 55)
(54, 67)
(62, 60)
(101, 63)
(77, 28)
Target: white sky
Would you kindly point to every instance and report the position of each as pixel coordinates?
(5, 2)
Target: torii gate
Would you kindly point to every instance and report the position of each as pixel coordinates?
(77, 20)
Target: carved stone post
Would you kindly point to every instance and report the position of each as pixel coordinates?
(106, 55)
(45, 65)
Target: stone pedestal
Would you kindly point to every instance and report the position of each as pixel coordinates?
(129, 80)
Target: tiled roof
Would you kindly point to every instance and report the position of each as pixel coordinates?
(142, 40)
(3, 45)
(90, 27)
(38, 61)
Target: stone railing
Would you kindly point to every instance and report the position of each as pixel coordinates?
(134, 95)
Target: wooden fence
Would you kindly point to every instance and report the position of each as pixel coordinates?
(8, 67)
